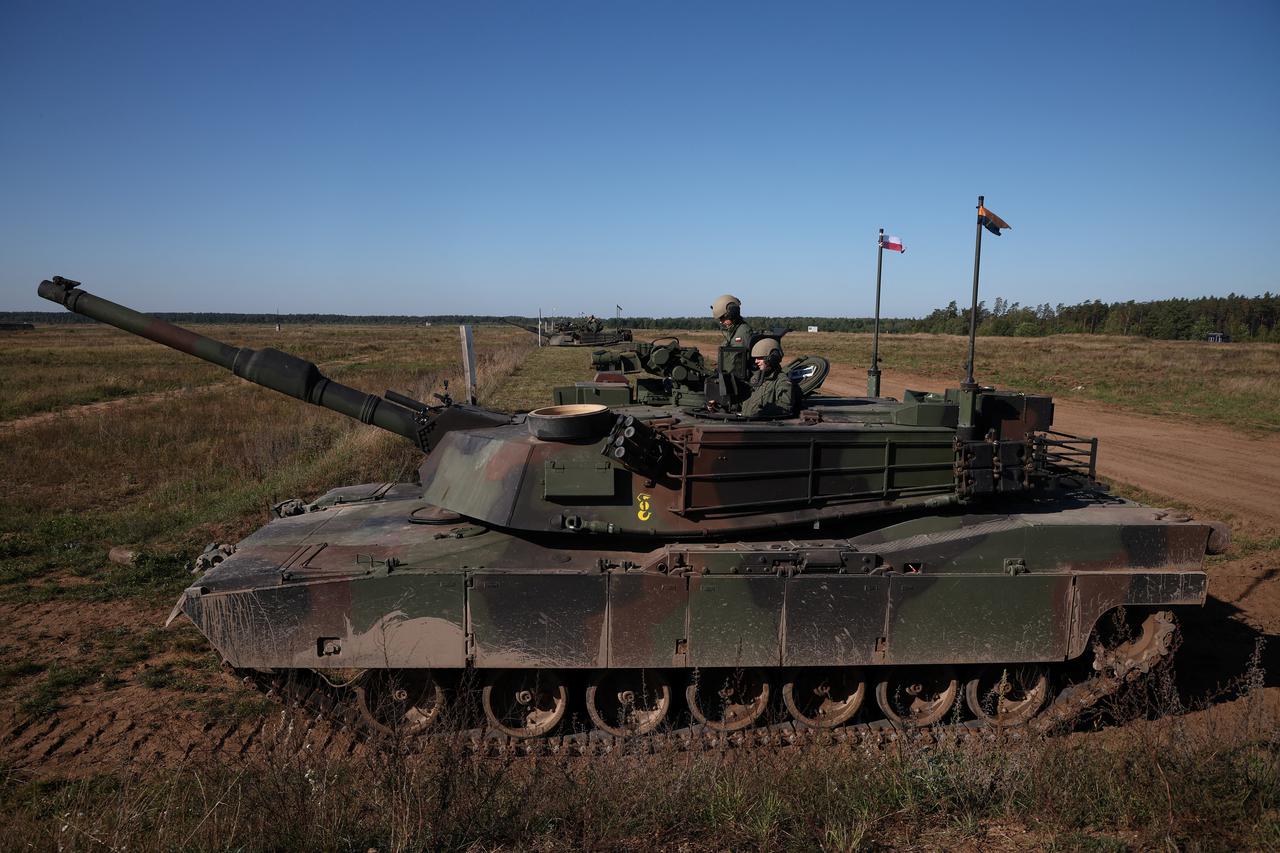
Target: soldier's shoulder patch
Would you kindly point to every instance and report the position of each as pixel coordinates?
(738, 340)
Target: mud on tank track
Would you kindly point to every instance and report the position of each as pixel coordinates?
(1114, 667)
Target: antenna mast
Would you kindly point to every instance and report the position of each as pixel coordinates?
(969, 383)
(873, 373)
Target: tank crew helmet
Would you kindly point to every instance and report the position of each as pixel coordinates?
(769, 349)
(727, 307)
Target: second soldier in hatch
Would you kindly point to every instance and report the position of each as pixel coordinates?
(727, 310)
(773, 393)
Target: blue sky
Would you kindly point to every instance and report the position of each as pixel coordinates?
(500, 157)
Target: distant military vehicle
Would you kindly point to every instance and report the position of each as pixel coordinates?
(670, 564)
(588, 332)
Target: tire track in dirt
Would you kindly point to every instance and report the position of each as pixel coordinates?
(65, 734)
(1207, 465)
(95, 736)
(81, 740)
(25, 744)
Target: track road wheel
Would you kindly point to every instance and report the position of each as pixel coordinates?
(917, 696)
(525, 702)
(824, 697)
(1008, 695)
(405, 701)
(628, 701)
(727, 700)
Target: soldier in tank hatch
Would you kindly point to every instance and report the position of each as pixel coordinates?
(773, 392)
(727, 310)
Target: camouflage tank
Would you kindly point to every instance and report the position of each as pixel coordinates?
(589, 332)
(658, 564)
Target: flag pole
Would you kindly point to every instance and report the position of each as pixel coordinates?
(969, 383)
(873, 374)
(967, 425)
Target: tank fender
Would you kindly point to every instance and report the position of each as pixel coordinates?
(1094, 596)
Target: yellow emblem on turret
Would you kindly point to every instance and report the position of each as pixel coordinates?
(642, 504)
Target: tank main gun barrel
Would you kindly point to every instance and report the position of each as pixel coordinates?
(268, 367)
(530, 329)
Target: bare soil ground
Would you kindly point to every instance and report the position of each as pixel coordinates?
(168, 709)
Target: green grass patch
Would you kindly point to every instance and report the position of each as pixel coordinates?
(46, 695)
(529, 384)
(169, 676)
(228, 710)
(152, 577)
(16, 671)
(124, 646)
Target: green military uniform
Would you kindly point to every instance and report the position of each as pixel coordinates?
(738, 336)
(773, 395)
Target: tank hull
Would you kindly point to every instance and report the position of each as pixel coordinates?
(361, 584)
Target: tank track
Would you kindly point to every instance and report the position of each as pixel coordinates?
(1113, 667)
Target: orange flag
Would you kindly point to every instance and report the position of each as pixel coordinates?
(991, 222)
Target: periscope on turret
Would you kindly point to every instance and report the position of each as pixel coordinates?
(661, 557)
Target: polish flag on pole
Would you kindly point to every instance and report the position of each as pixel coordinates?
(893, 244)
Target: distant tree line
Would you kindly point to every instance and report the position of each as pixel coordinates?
(761, 324)
(1250, 318)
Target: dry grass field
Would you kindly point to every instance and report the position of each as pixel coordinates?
(115, 732)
